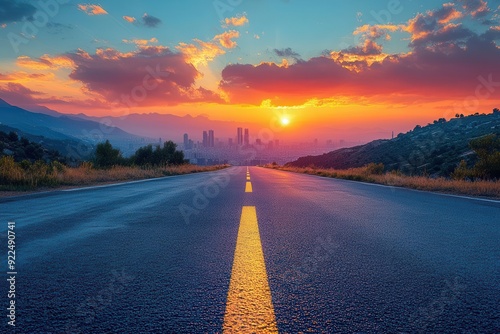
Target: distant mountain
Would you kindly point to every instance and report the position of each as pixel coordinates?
(4, 104)
(172, 127)
(64, 127)
(435, 149)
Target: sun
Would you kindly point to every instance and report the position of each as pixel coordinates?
(285, 121)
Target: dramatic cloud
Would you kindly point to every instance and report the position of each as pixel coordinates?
(151, 75)
(24, 97)
(437, 27)
(14, 11)
(225, 39)
(236, 21)
(15, 93)
(476, 8)
(129, 19)
(150, 21)
(438, 48)
(92, 9)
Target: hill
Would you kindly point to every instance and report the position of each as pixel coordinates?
(67, 148)
(435, 149)
(21, 148)
(65, 128)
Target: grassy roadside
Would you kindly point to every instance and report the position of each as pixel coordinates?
(16, 180)
(370, 174)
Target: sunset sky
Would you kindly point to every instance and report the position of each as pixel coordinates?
(362, 67)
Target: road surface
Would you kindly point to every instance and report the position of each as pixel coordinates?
(227, 250)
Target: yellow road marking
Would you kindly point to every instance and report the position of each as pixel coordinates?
(248, 187)
(248, 177)
(249, 307)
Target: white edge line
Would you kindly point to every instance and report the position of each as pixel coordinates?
(398, 187)
(136, 181)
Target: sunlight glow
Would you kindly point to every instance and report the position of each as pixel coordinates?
(285, 121)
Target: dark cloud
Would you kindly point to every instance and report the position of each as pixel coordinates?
(287, 53)
(150, 21)
(14, 11)
(477, 8)
(369, 48)
(492, 34)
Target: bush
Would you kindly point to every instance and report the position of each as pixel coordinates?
(375, 169)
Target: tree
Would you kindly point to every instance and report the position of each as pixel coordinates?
(487, 149)
(159, 156)
(106, 156)
(13, 137)
(462, 172)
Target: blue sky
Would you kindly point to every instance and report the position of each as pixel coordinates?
(400, 61)
(308, 27)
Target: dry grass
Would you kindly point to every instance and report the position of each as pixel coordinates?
(489, 189)
(85, 176)
(16, 177)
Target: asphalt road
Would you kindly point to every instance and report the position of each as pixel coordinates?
(336, 257)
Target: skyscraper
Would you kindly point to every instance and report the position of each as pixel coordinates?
(240, 136)
(211, 139)
(247, 137)
(205, 139)
(186, 141)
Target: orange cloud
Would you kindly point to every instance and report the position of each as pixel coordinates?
(23, 76)
(45, 62)
(236, 21)
(225, 39)
(129, 19)
(92, 9)
(142, 42)
(149, 76)
(201, 54)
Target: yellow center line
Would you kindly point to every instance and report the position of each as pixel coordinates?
(248, 187)
(249, 307)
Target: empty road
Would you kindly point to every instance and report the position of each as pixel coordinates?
(244, 247)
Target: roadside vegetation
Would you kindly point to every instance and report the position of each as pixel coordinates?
(107, 166)
(480, 179)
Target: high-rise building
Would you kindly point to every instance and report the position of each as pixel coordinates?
(186, 141)
(211, 139)
(247, 137)
(239, 137)
(205, 139)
